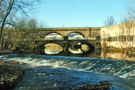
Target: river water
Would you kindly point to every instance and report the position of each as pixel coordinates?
(65, 73)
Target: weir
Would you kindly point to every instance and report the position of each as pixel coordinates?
(64, 73)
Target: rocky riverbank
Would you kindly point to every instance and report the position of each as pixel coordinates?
(2, 52)
(10, 74)
(104, 85)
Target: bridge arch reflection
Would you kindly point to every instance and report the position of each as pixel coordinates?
(73, 47)
(53, 48)
(81, 48)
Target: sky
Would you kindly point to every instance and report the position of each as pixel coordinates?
(79, 13)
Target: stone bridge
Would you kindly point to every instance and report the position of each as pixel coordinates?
(66, 44)
(30, 39)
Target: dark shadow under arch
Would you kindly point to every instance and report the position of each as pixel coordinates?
(91, 48)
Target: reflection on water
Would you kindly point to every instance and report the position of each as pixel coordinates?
(98, 54)
(52, 48)
(85, 47)
(77, 51)
(117, 55)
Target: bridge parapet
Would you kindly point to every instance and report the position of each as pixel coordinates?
(92, 38)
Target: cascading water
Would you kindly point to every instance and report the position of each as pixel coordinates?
(64, 73)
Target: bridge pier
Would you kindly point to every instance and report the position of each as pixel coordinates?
(65, 48)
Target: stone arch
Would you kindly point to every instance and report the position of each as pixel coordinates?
(74, 36)
(42, 48)
(54, 35)
(77, 33)
(53, 48)
(80, 47)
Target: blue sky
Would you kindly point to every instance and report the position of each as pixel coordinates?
(79, 13)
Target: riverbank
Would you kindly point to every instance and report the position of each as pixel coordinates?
(2, 52)
(10, 75)
(104, 85)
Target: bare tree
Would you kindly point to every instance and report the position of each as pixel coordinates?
(32, 23)
(131, 9)
(126, 34)
(131, 13)
(22, 23)
(42, 25)
(9, 9)
(109, 21)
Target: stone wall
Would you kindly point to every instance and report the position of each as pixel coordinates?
(119, 35)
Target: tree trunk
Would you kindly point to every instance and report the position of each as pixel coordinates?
(10, 6)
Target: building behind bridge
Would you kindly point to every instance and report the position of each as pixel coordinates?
(119, 36)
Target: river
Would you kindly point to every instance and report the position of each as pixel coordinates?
(65, 73)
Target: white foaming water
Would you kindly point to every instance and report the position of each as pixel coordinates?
(65, 71)
(130, 75)
(123, 70)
